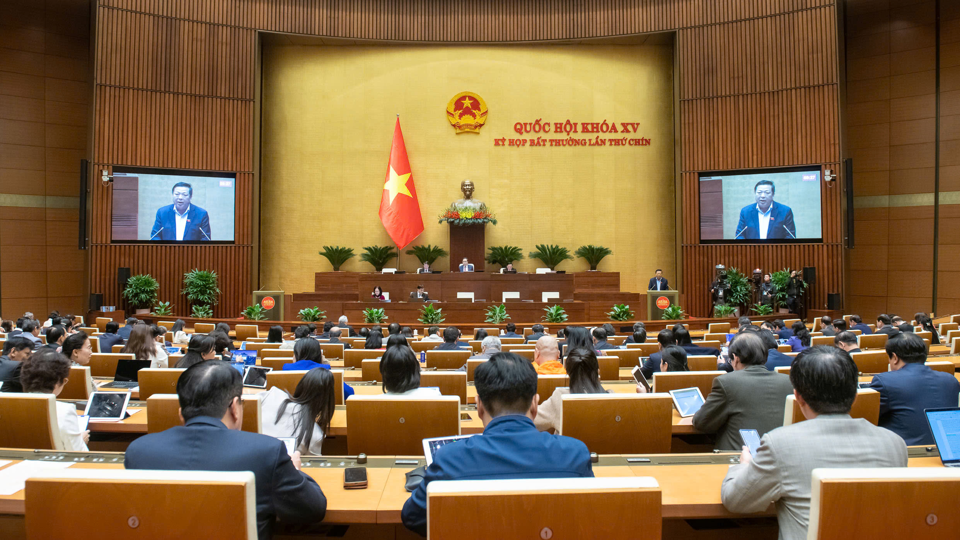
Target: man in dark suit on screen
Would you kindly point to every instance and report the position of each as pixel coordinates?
(181, 220)
(766, 219)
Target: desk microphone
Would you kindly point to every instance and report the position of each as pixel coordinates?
(745, 227)
(788, 232)
(156, 233)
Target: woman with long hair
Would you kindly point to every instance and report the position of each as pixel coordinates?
(199, 350)
(275, 335)
(584, 371)
(801, 337)
(927, 325)
(143, 346)
(305, 416)
(673, 358)
(374, 341)
(400, 370)
(577, 337)
(180, 337)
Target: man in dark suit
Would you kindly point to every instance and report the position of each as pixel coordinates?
(775, 358)
(327, 326)
(748, 398)
(466, 266)
(55, 336)
(910, 387)
(782, 331)
(901, 324)
(858, 325)
(510, 447)
(450, 336)
(181, 220)
(537, 334)
(335, 334)
(682, 336)
(826, 326)
(847, 341)
(766, 219)
(600, 342)
(124, 332)
(885, 326)
(511, 331)
(342, 323)
(637, 327)
(419, 295)
(658, 282)
(651, 365)
(110, 337)
(15, 351)
(31, 332)
(211, 440)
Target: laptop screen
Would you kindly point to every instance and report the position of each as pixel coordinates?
(945, 426)
(128, 370)
(249, 358)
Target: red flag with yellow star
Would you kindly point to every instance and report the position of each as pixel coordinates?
(399, 206)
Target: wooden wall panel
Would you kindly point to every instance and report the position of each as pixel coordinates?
(757, 82)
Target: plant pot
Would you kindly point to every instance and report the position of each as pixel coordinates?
(142, 311)
(783, 310)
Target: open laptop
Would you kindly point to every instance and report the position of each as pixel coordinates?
(249, 358)
(687, 400)
(127, 373)
(945, 426)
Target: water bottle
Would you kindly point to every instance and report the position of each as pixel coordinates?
(423, 357)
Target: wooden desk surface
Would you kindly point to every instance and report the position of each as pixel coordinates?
(691, 488)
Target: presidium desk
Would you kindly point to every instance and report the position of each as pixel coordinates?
(584, 295)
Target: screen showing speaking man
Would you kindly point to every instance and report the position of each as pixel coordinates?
(168, 206)
(767, 206)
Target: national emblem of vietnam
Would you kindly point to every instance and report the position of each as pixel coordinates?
(467, 112)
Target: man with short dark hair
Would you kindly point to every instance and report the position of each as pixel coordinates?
(847, 341)
(335, 334)
(665, 338)
(825, 385)
(748, 398)
(511, 331)
(31, 331)
(55, 336)
(124, 332)
(826, 326)
(767, 219)
(910, 387)
(885, 326)
(782, 331)
(18, 328)
(600, 342)
(538, 333)
(393, 329)
(744, 322)
(211, 440)
(326, 330)
(775, 358)
(658, 282)
(839, 325)
(110, 337)
(637, 326)
(900, 324)
(181, 220)
(433, 334)
(15, 350)
(510, 446)
(420, 295)
(450, 336)
(857, 324)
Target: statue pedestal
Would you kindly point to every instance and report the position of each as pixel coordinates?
(468, 241)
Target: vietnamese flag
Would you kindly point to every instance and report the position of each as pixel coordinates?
(399, 206)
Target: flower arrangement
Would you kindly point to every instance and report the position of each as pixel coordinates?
(467, 215)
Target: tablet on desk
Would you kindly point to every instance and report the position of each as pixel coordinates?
(107, 406)
(256, 376)
(430, 446)
(687, 400)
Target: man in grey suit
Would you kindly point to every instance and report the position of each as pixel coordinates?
(825, 385)
(748, 398)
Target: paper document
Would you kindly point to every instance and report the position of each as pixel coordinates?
(13, 478)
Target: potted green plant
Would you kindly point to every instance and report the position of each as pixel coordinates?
(254, 312)
(722, 311)
(496, 314)
(429, 314)
(201, 289)
(551, 255)
(378, 256)
(163, 309)
(620, 312)
(673, 313)
(740, 289)
(593, 255)
(141, 292)
(312, 314)
(374, 315)
(428, 253)
(504, 255)
(337, 255)
(762, 309)
(555, 314)
(780, 280)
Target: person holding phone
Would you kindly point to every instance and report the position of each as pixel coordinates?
(825, 386)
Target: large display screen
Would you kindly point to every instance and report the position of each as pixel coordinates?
(162, 206)
(760, 206)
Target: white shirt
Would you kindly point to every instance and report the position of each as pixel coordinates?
(422, 392)
(432, 337)
(270, 403)
(466, 268)
(181, 221)
(69, 424)
(764, 220)
(658, 283)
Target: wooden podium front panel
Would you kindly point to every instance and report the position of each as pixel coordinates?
(653, 312)
(468, 241)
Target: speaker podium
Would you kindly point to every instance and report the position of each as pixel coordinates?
(272, 303)
(657, 301)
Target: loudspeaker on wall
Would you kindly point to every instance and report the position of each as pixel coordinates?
(123, 275)
(810, 275)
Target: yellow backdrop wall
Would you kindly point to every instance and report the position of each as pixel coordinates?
(327, 120)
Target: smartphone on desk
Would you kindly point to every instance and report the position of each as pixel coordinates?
(751, 438)
(355, 478)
